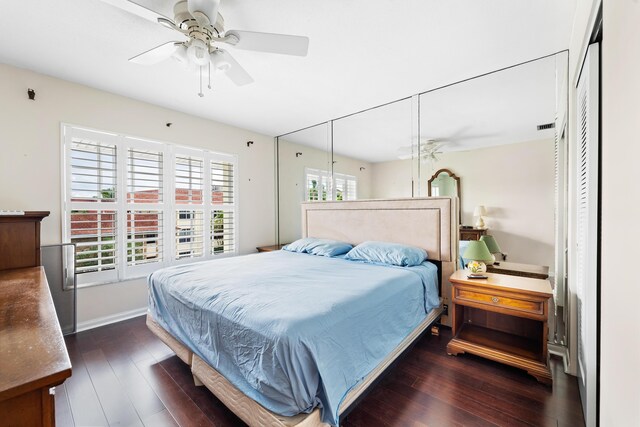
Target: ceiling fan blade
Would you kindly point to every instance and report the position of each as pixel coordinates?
(147, 9)
(222, 60)
(157, 54)
(269, 42)
(207, 7)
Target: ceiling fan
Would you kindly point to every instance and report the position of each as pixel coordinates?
(201, 35)
(429, 150)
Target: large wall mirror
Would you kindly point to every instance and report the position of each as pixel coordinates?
(304, 173)
(502, 134)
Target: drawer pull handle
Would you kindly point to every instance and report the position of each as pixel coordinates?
(495, 299)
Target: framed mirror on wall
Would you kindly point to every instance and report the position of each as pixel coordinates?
(443, 183)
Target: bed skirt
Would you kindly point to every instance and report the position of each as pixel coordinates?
(255, 414)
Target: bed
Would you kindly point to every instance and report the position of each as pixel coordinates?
(278, 345)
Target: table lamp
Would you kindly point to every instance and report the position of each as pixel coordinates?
(478, 252)
(492, 245)
(479, 211)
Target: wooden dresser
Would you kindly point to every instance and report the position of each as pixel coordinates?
(20, 240)
(33, 355)
(502, 318)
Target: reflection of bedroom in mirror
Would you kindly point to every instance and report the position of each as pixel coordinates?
(496, 139)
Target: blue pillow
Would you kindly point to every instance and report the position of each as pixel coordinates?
(387, 253)
(322, 247)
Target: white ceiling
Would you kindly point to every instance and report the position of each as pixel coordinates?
(362, 52)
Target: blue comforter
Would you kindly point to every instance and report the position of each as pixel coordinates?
(292, 331)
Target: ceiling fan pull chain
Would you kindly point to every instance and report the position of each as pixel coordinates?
(200, 94)
(209, 65)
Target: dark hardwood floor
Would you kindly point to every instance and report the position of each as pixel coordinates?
(123, 375)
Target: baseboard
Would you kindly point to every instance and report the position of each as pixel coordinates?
(113, 318)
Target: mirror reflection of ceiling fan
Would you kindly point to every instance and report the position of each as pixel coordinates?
(429, 150)
(201, 36)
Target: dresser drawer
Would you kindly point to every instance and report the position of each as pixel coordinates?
(498, 300)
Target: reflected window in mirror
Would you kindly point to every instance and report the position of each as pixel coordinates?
(317, 184)
(320, 186)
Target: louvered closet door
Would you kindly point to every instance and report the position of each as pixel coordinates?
(587, 231)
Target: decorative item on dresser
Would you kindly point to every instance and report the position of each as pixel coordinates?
(33, 354)
(502, 318)
(492, 245)
(479, 212)
(270, 248)
(470, 233)
(478, 253)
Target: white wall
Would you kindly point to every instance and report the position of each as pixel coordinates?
(514, 182)
(30, 163)
(620, 290)
(391, 179)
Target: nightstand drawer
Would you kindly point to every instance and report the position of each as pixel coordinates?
(497, 300)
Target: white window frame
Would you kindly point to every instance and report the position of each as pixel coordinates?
(167, 206)
(331, 184)
(346, 180)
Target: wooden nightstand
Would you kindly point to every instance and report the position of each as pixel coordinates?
(472, 233)
(502, 318)
(270, 248)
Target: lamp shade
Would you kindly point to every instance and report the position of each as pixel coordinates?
(477, 251)
(491, 243)
(479, 211)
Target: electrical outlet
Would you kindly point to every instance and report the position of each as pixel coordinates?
(446, 310)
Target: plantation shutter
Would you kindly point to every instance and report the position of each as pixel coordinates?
(587, 230)
(189, 199)
(346, 187)
(145, 202)
(222, 227)
(132, 206)
(319, 185)
(91, 196)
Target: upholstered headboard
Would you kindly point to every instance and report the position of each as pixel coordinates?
(430, 223)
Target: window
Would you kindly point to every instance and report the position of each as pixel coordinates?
(346, 187)
(320, 186)
(190, 235)
(125, 198)
(184, 232)
(184, 215)
(222, 231)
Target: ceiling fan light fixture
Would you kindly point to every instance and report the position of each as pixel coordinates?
(198, 52)
(180, 56)
(219, 62)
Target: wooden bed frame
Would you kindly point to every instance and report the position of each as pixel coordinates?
(429, 223)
